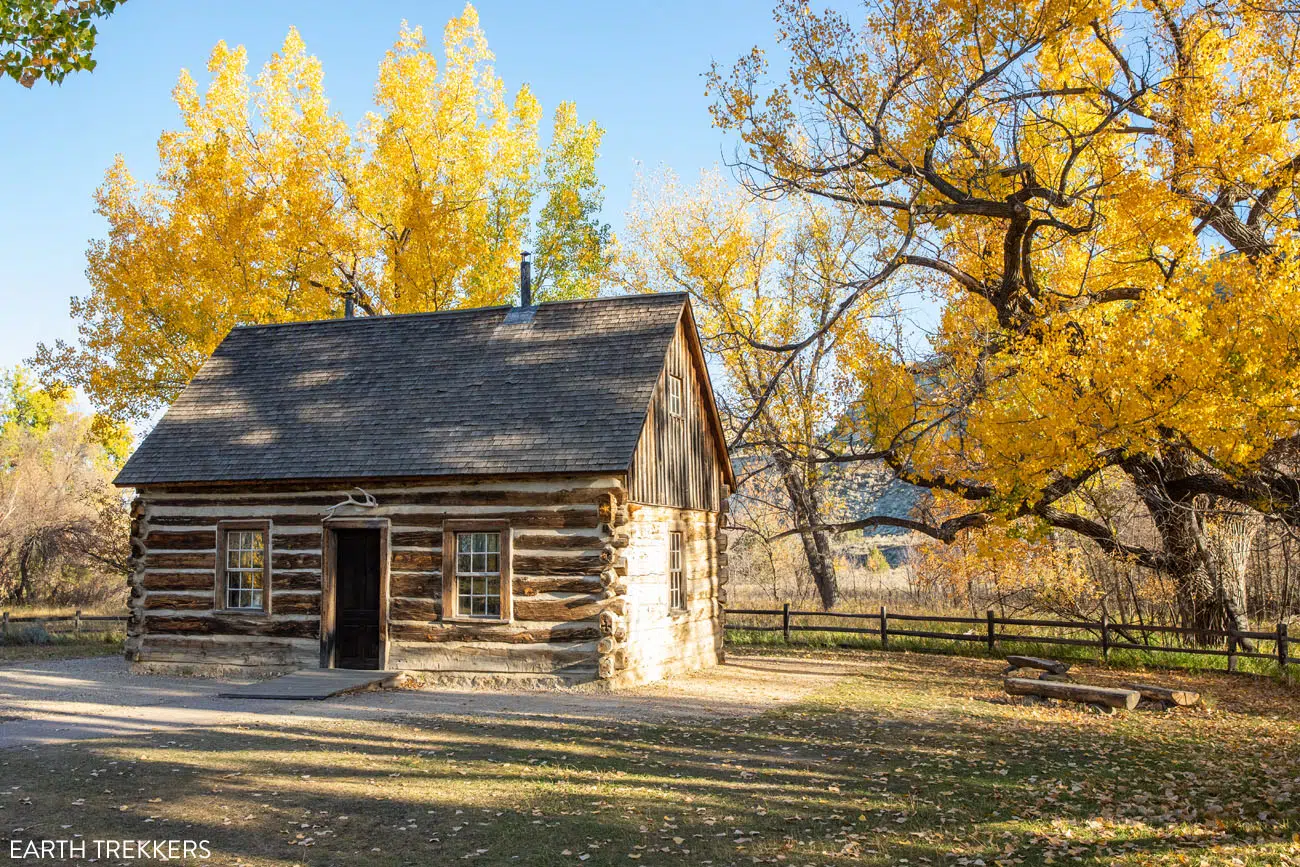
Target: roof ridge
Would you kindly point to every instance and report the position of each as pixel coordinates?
(459, 311)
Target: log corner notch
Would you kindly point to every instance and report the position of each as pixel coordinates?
(611, 649)
(135, 580)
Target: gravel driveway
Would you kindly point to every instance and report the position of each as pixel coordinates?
(78, 699)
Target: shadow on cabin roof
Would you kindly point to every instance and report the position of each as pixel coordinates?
(477, 391)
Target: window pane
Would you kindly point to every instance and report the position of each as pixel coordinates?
(244, 565)
(676, 584)
(478, 574)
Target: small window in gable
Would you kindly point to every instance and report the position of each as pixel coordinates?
(674, 396)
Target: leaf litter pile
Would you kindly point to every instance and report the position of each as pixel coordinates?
(919, 760)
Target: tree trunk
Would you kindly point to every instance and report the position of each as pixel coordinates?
(23, 593)
(806, 505)
(1206, 546)
(1229, 532)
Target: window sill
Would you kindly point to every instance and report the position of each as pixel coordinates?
(247, 612)
(488, 621)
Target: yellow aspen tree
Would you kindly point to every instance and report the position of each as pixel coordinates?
(269, 207)
(1100, 195)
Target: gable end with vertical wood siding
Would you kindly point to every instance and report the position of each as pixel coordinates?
(680, 460)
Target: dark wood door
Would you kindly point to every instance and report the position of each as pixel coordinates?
(356, 610)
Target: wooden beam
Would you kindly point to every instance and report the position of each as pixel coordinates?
(1052, 665)
(178, 580)
(231, 624)
(414, 609)
(416, 585)
(179, 601)
(511, 633)
(531, 585)
(553, 610)
(1124, 699)
(1179, 697)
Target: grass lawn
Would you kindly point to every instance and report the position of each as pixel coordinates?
(62, 647)
(919, 760)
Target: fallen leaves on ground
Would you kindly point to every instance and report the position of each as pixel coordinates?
(918, 760)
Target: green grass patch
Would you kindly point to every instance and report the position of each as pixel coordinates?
(1026, 646)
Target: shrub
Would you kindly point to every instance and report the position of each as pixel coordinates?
(26, 635)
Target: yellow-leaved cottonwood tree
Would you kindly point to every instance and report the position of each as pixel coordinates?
(1102, 194)
(268, 208)
(763, 276)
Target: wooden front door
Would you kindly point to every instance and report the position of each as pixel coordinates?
(356, 593)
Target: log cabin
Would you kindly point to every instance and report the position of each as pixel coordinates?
(500, 494)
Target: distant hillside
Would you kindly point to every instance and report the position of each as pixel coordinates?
(862, 494)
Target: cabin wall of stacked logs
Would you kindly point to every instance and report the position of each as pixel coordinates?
(986, 630)
(569, 569)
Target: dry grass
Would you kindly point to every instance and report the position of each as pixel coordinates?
(61, 647)
(114, 609)
(29, 640)
(918, 760)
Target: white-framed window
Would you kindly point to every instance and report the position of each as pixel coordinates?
(478, 574)
(245, 569)
(674, 395)
(676, 583)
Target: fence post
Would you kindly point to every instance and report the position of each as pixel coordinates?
(76, 624)
(1105, 635)
(1232, 651)
(1282, 649)
(785, 621)
(4, 632)
(993, 635)
(884, 628)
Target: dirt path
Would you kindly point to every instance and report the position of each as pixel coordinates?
(79, 699)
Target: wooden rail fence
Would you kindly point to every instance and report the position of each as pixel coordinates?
(1109, 636)
(73, 623)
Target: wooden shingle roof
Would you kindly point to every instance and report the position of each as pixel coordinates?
(560, 387)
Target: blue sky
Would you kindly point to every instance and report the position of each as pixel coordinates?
(634, 67)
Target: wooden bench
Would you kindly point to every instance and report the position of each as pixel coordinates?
(1123, 699)
(1050, 665)
(1176, 697)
